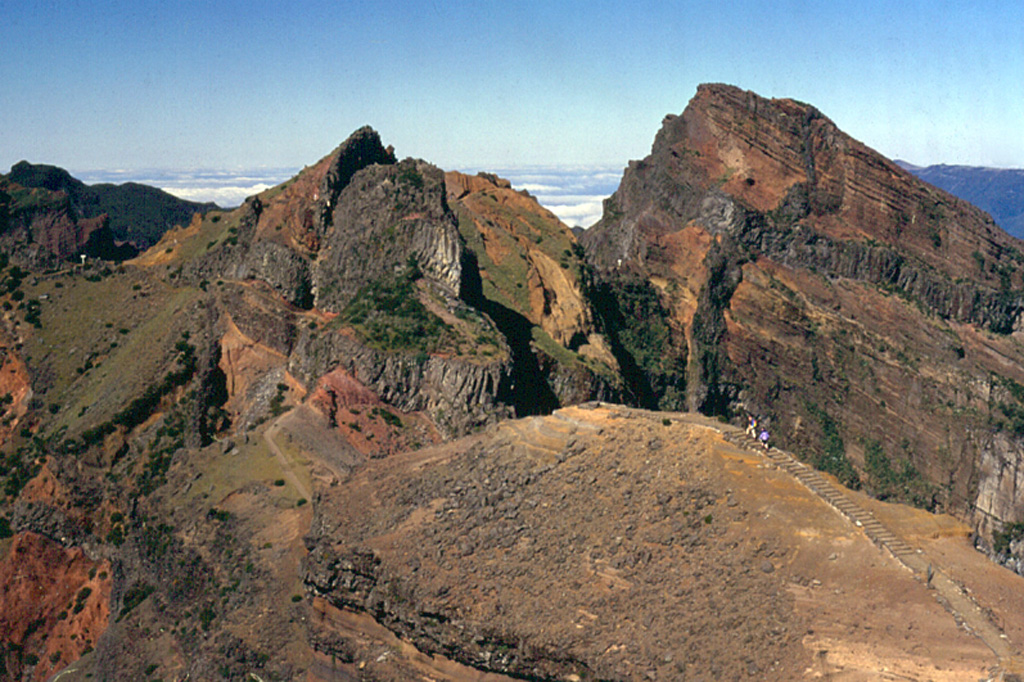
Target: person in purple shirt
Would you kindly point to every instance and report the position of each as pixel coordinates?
(764, 438)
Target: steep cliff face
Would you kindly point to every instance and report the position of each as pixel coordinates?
(526, 272)
(386, 218)
(870, 316)
(41, 227)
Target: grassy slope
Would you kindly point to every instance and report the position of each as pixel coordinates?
(124, 326)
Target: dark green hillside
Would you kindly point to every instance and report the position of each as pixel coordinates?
(138, 213)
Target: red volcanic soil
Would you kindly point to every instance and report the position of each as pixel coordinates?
(54, 604)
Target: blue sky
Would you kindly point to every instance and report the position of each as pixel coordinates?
(109, 85)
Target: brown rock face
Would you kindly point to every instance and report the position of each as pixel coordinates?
(514, 227)
(808, 279)
(532, 281)
(54, 604)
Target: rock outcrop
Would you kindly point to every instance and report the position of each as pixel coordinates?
(871, 317)
(53, 608)
(526, 272)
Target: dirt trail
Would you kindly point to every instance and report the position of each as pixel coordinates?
(286, 464)
(965, 610)
(677, 520)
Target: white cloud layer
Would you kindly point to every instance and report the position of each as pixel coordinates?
(226, 188)
(583, 214)
(573, 193)
(225, 196)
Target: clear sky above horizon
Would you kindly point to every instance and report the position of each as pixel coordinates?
(133, 85)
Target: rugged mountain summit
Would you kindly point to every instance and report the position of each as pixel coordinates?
(812, 281)
(358, 298)
(280, 443)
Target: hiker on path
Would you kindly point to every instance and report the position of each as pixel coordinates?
(764, 438)
(751, 426)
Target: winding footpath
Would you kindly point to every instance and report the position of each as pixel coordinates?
(544, 438)
(968, 613)
(287, 465)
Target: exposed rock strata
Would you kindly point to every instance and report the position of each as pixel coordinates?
(779, 244)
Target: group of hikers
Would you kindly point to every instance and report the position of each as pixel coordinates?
(758, 434)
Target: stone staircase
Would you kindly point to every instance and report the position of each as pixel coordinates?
(954, 598)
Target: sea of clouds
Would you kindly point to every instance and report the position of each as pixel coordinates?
(573, 193)
(226, 188)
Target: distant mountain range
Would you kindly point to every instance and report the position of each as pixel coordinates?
(998, 191)
(138, 213)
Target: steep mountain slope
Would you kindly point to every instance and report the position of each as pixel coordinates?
(805, 278)
(137, 213)
(533, 283)
(999, 191)
(278, 444)
(346, 296)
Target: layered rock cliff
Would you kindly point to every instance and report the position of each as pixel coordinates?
(869, 316)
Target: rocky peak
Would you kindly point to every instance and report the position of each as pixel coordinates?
(361, 149)
(388, 218)
(739, 164)
(792, 262)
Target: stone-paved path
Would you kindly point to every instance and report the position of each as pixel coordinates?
(967, 612)
(543, 438)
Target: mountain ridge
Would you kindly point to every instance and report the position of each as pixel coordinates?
(138, 213)
(325, 435)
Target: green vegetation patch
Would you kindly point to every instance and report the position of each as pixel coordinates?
(135, 595)
(899, 482)
(563, 356)
(388, 315)
(830, 456)
(632, 307)
(85, 362)
(19, 467)
(140, 409)
(503, 282)
(1012, 408)
(1001, 539)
